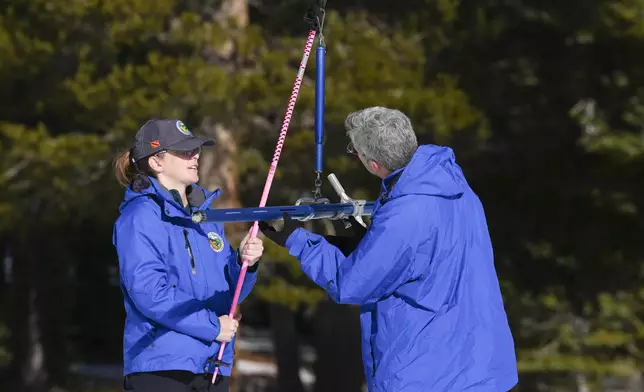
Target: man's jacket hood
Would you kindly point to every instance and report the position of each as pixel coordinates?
(432, 171)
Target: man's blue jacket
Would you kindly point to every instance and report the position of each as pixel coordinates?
(177, 278)
(432, 315)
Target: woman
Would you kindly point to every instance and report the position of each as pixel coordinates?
(178, 278)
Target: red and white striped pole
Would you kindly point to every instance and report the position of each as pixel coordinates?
(270, 176)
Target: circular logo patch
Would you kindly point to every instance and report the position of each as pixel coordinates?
(183, 129)
(216, 242)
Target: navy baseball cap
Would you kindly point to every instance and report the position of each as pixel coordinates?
(165, 134)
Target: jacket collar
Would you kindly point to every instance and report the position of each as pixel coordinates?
(198, 198)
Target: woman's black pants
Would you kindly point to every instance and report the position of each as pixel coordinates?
(174, 381)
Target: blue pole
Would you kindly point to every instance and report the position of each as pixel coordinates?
(303, 212)
(319, 105)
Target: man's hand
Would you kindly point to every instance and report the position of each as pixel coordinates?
(348, 243)
(251, 249)
(227, 328)
(279, 237)
(357, 230)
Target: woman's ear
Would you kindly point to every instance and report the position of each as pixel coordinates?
(156, 163)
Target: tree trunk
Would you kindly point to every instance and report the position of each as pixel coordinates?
(219, 166)
(582, 382)
(54, 301)
(235, 11)
(37, 298)
(337, 338)
(219, 163)
(287, 353)
(28, 368)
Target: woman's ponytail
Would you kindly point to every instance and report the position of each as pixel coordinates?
(124, 170)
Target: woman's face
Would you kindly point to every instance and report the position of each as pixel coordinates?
(178, 168)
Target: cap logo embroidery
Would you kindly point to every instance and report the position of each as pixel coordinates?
(216, 242)
(183, 129)
(155, 144)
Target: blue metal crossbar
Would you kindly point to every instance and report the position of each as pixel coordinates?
(299, 212)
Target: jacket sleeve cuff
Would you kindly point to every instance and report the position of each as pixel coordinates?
(250, 270)
(214, 320)
(296, 241)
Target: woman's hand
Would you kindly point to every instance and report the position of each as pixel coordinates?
(251, 249)
(227, 328)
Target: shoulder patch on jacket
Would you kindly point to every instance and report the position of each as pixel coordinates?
(216, 242)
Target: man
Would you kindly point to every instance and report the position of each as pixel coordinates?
(432, 316)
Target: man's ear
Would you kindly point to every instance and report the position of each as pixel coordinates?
(374, 166)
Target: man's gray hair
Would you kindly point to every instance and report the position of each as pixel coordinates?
(382, 135)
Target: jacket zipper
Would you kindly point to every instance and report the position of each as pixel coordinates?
(373, 360)
(192, 259)
(371, 343)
